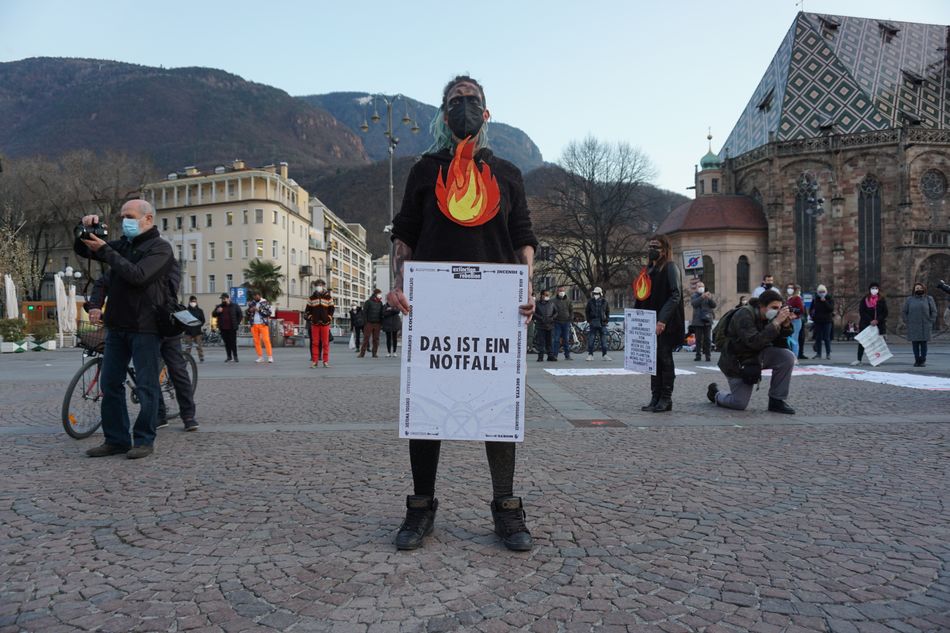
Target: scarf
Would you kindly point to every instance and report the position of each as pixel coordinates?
(871, 301)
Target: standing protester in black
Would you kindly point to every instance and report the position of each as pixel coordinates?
(426, 230)
(663, 294)
(229, 317)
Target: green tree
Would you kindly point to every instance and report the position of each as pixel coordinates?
(263, 277)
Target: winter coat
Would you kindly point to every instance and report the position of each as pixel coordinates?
(229, 316)
(702, 309)
(262, 308)
(373, 310)
(139, 279)
(878, 313)
(544, 313)
(356, 319)
(823, 311)
(198, 313)
(747, 335)
(597, 312)
(920, 315)
(320, 308)
(391, 319)
(565, 310)
(666, 299)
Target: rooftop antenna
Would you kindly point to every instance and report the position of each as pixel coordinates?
(801, 5)
(709, 138)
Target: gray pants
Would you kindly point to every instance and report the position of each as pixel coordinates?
(780, 361)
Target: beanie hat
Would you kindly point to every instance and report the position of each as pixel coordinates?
(821, 288)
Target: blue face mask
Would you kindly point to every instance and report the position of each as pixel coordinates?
(130, 227)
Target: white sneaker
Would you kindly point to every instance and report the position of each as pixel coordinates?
(605, 357)
(260, 359)
(856, 363)
(589, 358)
(270, 359)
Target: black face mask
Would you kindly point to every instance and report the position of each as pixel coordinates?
(918, 292)
(767, 285)
(465, 116)
(653, 254)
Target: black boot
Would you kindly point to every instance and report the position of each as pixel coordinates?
(509, 516)
(779, 406)
(420, 515)
(665, 403)
(652, 403)
(712, 391)
(541, 358)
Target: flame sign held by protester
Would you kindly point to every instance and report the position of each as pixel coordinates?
(467, 195)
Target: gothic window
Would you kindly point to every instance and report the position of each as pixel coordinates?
(933, 184)
(805, 232)
(742, 274)
(709, 273)
(757, 195)
(869, 231)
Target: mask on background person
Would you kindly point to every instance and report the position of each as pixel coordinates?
(822, 294)
(193, 304)
(790, 291)
(874, 292)
(562, 294)
(771, 314)
(379, 296)
(919, 292)
(700, 289)
(596, 295)
(545, 297)
(130, 227)
(768, 286)
(653, 254)
(465, 116)
(321, 288)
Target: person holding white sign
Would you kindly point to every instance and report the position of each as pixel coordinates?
(658, 288)
(871, 311)
(462, 204)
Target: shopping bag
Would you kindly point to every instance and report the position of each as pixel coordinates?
(352, 343)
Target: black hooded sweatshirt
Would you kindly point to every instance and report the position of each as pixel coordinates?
(433, 237)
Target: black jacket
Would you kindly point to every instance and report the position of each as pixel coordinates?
(138, 279)
(373, 311)
(391, 320)
(545, 313)
(565, 310)
(879, 314)
(356, 319)
(747, 335)
(432, 236)
(234, 311)
(597, 312)
(666, 299)
(823, 311)
(198, 313)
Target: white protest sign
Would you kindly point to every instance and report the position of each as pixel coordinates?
(463, 355)
(692, 259)
(639, 329)
(875, 347)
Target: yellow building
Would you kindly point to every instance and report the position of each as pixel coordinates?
(220, 221)
(348, 263)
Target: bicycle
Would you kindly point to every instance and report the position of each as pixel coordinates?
(212, 338)
(81, 412)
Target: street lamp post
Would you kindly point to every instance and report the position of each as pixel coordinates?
(392, 141)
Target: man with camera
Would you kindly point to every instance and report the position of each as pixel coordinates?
(756, 339)
(139, 264)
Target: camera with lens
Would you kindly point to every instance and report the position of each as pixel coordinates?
(83, 232)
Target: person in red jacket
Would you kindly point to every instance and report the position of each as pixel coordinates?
(319, 313)
(796, 305)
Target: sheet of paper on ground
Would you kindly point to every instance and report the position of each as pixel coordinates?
(910, 381)
(639, 350)
(463, 354)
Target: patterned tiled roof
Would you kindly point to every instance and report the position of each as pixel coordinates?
(715, 213)
(845, 75)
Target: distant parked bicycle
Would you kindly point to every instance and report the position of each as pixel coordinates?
(81, 413)
(212, 338)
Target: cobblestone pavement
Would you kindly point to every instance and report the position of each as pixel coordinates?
(701, 521)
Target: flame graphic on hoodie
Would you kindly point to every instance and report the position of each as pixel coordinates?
(642, 285)
(467, 195)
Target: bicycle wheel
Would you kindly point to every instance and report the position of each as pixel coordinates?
(82, 404)
(615, 341)
(192, 368)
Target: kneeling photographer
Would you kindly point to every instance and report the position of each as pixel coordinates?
(139, 262)
(754, 337)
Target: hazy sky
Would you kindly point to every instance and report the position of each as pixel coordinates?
(655, 74)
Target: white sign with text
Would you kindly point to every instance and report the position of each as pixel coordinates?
(639, 352)
(875, 347)
(463, 353)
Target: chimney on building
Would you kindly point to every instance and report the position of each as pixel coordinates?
(237, 164)
(283, 169)
(191, 170)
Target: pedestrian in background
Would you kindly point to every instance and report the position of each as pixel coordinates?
(356, 324)
(767, 282)
(664, 295)
(796, 306)
(319, 313)
(193, 333)
(258, 315)
(373, 315)
(703, 314)
(391, 325)
(920, 315)
(562, 323)
(229, 317)
(597, 314)
(871, 311)
(545, 314)
(823, 318)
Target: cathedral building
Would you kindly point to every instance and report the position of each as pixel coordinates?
(840, 159)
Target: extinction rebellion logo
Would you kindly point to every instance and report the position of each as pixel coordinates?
(466, 272)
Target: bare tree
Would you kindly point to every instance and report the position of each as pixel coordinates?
(595, 218)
